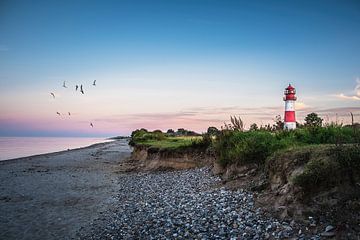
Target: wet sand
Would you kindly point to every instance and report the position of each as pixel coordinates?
(52, 196)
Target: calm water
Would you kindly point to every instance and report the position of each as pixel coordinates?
(15, 147)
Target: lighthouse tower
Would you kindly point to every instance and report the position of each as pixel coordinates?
(289, 98)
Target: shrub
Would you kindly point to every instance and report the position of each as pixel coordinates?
(213, 131)
(325, 135)
(202, 143)
(348, 158)
(142, 135)
(340, 165)
(313, 120)
(246, 147)
(253, 127)
(318, 172)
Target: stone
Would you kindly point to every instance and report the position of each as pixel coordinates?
(185, 205)
(329, 228)
(327, 234)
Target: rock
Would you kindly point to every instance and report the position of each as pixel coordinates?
(329, 228)
(184, 205)
(327, 234)
(292, 223)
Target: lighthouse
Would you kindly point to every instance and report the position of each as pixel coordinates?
(289, 98)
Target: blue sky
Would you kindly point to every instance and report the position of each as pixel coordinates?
(193, 63)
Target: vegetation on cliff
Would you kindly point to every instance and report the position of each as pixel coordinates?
(325, 153)
(164, 141)
(239, 147)
(339, 165)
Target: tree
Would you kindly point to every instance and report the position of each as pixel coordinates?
(313, 120)
(170, 131)
(181, 132)
(212, 131)
(253, 127)
(279, 123)
(139, 132)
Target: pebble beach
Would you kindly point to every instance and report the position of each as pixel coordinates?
(187, 204)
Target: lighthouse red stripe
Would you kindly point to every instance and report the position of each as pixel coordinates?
(289, 116)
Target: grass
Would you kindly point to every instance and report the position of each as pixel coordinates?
(170, 142)
(159, 140)
(237, 147)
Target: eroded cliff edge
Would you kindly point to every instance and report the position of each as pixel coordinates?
(147, 158)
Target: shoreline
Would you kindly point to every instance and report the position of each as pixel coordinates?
(51, 196)
(51, 154)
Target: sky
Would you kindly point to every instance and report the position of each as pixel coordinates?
(173, 64)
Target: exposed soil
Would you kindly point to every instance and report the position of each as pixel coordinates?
(149, 159)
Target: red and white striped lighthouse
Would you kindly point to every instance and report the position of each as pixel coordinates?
(289, 98)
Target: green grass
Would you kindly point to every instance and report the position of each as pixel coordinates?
(159, 140)
(236, 147)
(170, 142)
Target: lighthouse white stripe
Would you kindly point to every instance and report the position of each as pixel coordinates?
(290, 125)
(289, 105)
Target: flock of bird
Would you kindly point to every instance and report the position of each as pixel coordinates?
(76, 89)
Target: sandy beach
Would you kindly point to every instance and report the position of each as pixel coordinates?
(52, 196)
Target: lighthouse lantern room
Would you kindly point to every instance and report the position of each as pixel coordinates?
(289, 98)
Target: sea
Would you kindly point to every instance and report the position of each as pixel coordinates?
(16, 147)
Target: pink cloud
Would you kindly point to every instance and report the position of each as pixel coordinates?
(343, 96)
(356, 93)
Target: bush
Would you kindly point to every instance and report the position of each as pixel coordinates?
(246, 147)
(348, 158)
(341, 165)
(313, 120)
(202, 143)
(143, 135)
(325, 135)
(239, 147)
(318, 172)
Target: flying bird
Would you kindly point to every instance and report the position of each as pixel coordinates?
(81, 89)
(91, 125)
(76, 87)
(52, 94)
(64, 85)
(58, 113)
(94, 83)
